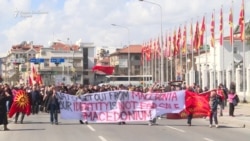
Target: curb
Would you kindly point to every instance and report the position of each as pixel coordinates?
(241, 119)
(234, 122)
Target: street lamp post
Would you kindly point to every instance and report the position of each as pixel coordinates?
(74, 72)
(128, 48)
(161, 64)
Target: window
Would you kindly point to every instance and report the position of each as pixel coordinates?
(46, 64)
(85, 73)
(137, 57)
(43, 53)
(235, 49)
(137, 67)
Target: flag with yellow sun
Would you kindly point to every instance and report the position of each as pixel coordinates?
(196, 104)
(21, 103)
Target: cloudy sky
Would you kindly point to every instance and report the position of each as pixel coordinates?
(90, 20)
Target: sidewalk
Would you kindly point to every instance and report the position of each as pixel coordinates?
(242, 116)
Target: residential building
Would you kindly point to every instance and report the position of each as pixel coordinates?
(75, 65)
(16, 65)
(127, 59)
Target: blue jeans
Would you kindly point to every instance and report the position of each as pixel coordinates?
(53, 113)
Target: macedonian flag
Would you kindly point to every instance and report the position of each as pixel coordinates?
(21, 103)
(196, 104)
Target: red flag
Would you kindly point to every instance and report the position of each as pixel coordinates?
(148, 51)
(184, 46)
(142, 53)
(191, 35)
(221, 27)
(212, 31)
(242, 22)
(39, 79)
(178, 41)
(196, 104)
(106, 69)
(166, 47)
(34, 73)
(158, 48)
(196, 37)
(30, 81)
(174, 42)
(169, 46)
(231, 25)
(21, 103)
(203, 28)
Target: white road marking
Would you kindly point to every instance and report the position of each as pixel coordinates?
(91, 128)
(207, 139)
(102, 138)
(176, 129)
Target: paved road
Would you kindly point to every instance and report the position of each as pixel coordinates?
(38, 128)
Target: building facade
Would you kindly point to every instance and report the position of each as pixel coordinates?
(16, 65)
(75, 65)
(127, 61)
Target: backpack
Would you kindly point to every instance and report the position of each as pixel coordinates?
(236, 100)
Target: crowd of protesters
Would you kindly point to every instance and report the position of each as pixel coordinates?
(43, 98)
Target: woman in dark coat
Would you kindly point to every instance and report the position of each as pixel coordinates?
(53, 106)
(4, 97)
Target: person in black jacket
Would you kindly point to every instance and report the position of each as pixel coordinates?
(53, 106)
(35, 99)
(4, 97)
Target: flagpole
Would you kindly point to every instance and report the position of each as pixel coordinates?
(152, 60)
(185, 45)
(160, 77)
(155, 63)
(175, 63)
(206, 63)
(143, 67)
(244, 56)
(199, 53)
(180, 48)
(214, 85)
(171, 63)
(223, 48)
(167, 58)
(232, 45)
(192, 56)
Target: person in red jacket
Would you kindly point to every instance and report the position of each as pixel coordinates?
(221, 95)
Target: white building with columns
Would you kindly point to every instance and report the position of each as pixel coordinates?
(224, 64)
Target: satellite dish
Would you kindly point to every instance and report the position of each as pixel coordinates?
(238, 58)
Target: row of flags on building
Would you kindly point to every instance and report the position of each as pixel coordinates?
(176, 43)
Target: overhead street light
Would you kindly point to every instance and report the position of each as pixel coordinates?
(128, 61)
(161, 64)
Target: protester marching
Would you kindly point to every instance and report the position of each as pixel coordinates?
(114, 104)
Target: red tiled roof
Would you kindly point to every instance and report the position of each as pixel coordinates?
(65, 47)
(130, 49)
(25, 46)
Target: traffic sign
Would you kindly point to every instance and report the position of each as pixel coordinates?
(37, 60)
(41, 60)
(57, 60)
(32, 60)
